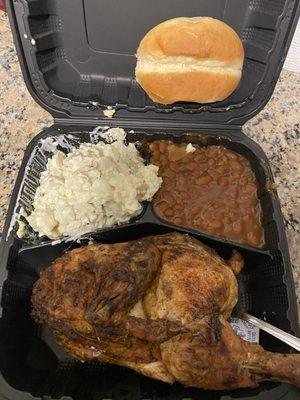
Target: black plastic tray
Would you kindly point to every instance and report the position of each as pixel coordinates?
(77, 57)
(41, 368)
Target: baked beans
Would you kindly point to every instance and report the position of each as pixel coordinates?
(212, 190)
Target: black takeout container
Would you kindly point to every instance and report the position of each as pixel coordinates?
(77, 58)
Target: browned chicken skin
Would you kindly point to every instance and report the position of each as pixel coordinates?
(157, 305)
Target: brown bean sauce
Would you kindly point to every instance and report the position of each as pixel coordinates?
(212, 190)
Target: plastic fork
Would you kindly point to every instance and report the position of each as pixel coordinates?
(285, 337)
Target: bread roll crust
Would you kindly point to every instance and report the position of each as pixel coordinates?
(190, 59)
(194, 86)
(199, 37)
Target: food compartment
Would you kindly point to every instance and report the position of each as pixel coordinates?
(81, 167)
(251, 156)
(210, 189)
(32, 362)
(38, 156)
(40, 367)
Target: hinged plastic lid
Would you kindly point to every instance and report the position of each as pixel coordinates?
(78, 56)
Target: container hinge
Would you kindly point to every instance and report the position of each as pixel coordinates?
(150, 124)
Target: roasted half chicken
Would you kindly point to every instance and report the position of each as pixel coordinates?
(158, 305)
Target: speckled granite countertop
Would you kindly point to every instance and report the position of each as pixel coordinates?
(276, 129)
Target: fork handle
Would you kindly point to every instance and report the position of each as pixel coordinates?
(285, 337)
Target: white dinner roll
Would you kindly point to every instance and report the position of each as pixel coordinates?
(196, 59)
